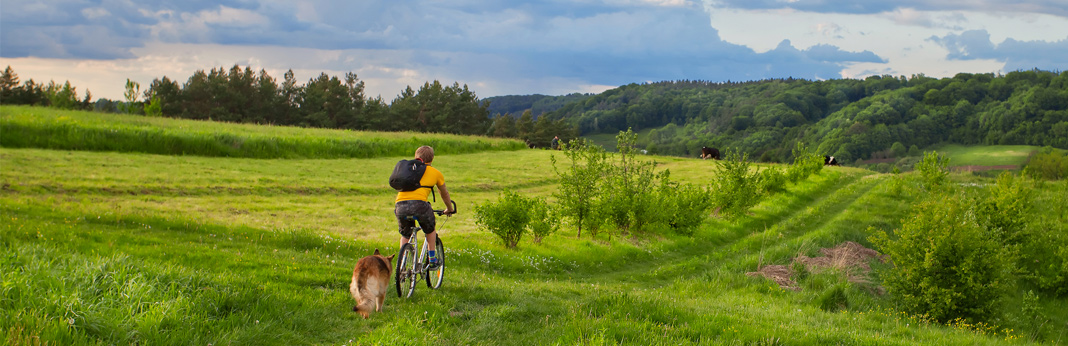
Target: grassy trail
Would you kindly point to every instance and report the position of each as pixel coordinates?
(724, 241)
(102, 248)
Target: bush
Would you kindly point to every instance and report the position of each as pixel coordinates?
(1047, 165)
(735, 188)
(772, 180)
(544, 220)
(1043, 254)
(507, 217)
(945, 264)
(629, 186)
(1004, 211)
(682, 206)
(580, 183)
(898, 149)
(914, 150)
(934, 169)
(805, 164)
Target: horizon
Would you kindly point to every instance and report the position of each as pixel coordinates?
(522, 48)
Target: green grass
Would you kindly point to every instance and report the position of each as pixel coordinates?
(608, 140)
(987, 155)
(122, 248)
(39, 127)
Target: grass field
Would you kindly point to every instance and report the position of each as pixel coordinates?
(39, 127)
(123, 248)
(989, 155)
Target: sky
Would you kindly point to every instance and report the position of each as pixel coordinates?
(502, 47)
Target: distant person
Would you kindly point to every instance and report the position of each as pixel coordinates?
(556, 143)
(416, 203)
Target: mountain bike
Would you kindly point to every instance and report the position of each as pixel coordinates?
(411, 268)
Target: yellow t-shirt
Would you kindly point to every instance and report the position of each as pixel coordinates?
(432, 177)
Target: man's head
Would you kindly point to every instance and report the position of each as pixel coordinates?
(425, 153)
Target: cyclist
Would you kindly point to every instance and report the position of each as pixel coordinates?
(415, 203)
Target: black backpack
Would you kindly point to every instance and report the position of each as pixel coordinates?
(407, 174)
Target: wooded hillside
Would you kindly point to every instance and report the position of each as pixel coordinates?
(847, 118)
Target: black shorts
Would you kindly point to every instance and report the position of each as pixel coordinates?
(421, 210)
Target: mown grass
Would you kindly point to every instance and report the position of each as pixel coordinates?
(39, 127)
(986, 155)
(131, 248)
(120, 248)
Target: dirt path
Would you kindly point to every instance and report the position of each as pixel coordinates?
(983, 168)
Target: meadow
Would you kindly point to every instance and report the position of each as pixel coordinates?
(38, 127)
(989, 155)
(123, 247)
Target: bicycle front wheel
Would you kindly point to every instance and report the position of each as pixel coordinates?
(436, 276)
(405, 271)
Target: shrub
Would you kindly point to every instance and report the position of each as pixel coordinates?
(1043, 255)
(154, 108)
(914, 150)
(682, 206)
(1047, 165)
(934, 170)
(1004, 211)
(630, 185)
(772, 180)
(945, 264)
(805, 164)
(580, 182)
(898, 149)
(507, 217)
(735, 188)
(544, 219)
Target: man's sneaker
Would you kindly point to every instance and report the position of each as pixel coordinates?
(433, 264)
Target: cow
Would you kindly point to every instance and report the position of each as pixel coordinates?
(829, 161)
(710, 153)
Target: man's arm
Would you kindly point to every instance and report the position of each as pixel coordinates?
(445, 197)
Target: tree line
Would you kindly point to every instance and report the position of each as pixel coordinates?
(879, 116)
(242, 95)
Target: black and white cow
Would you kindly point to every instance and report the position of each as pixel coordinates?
(829, 161)
(710, 153)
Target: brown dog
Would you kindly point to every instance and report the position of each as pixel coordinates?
(370, 280)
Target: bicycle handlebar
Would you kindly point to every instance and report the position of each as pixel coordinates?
(442, 212)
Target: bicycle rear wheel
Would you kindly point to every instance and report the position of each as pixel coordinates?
(405, 271)
(436, 276)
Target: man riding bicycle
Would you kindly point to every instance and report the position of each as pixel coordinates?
(415, 203)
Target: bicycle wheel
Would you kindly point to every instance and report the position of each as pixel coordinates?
(405, 271)
(436, 276)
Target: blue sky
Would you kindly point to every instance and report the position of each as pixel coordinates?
(510, 47)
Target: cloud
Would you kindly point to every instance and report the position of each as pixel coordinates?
(1053, 7)
(510, 47)
(1017, 55)
(829, 53)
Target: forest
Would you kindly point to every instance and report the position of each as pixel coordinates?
(240, 95)
(877, 117)
(851, 119)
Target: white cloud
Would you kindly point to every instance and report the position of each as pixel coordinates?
(900, 36)
(230, 17)
(95, 13)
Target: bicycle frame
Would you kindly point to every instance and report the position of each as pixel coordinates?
(412, 265)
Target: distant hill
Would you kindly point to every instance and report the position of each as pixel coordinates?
(538, 104)
(848, 118)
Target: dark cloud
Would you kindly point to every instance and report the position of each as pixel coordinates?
(1017, 55)
(595, 42)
